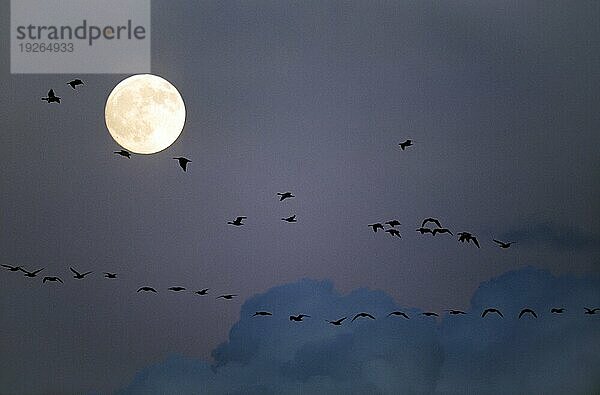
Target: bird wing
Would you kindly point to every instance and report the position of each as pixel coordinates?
(521, 313)
(75, 271)
(45, 279)
(7, 266)
(355, 317)
(37, 271)
(51, 93)
(86, 273)
(499, 313)
(475, 241)
(58, 279)
(485, 312)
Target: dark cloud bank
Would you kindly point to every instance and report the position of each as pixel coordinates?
(554, 354)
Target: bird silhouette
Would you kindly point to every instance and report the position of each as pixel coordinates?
(503, 244)
(262, 313)
(147, 289)
(75, 82)
(124, 153)
(393, 232)
(110, 275)
(376, 226)
(31, 274)
(337, 322)
(298, 317)
(432, 220)
(227, 296)
(285, 195)
(398, 313)
(430, 314)
(466, 236)
(363, 315)
(455, 312)
(176, 289)
(393, 223)
(441, 230)
(405, 144)
(203, 291)
(78, 275)
(423, 230)
(591, 311)
(52, 98)
(290, 219)
(491, 310)
(237, 221)
(557, 310)
(183, 162)
(52, 278)
(12, 268)
(526, 311)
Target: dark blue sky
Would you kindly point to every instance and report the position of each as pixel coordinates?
(312, 97)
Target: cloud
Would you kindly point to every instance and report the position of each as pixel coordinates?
(458, 354)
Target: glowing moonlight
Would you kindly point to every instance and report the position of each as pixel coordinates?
(144, 114)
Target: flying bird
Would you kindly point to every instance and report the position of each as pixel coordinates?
(432, 220)
(124, 153)
(52, 278)
(393, 232)
(430, 314)
(262, 313)
(405, 144)
(183, 162)
(337, 322)
(441, 230)
(31, 274)
(298, 317)
(503, 244)
(237, 221)
(399, 313)
(147, 289)
(591, 311)
(363, 315)
(424, 230)
(486, 311)
(12, 268)
(525, 311)
(202, 291)
(75, 82)
(393, 223)
(557, 310)
(284, 195)
(78, 275)
(52, 98)
(176, 289)
(290, 219)
(466, 236)
(376, 226)
(455, 312)
(110, 275)
(227, 296)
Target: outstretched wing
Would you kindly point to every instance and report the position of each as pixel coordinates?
(75, 271)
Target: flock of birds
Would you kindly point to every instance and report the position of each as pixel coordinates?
(429, 225)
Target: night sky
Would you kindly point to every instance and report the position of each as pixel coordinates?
(502, 102)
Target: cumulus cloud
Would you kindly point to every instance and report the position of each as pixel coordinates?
(458, 354)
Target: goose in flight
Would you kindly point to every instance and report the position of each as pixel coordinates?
(393, 223)
(227, 296)
(455, 312)
(75, 82)
(290, 219)
(503, 244)
(124, 153)
(262, 313)
(298, 317)
(466, 236)
(527, 311)
(363, 315)
(237, 221)
(405, 144)
(486, 311)
(398, 313)
(110, 275)
(376, 226)
(183, 162)
(285, 195)
(52, 278)
(176, 289)
(393, 232)
(31, 274)
(432, 220)
(146, 289)
(591, 311)
(423, 230)
(78, 275)
(441, 230)
(52, 98)
(556, 310)
(12, 268)
(202, 291)
(337, 322)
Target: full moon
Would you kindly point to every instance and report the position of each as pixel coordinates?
(144, 114)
